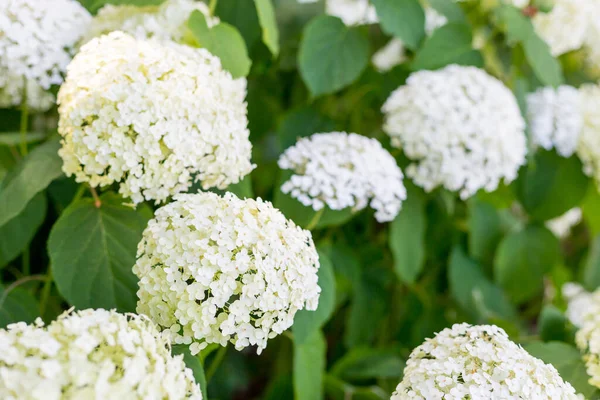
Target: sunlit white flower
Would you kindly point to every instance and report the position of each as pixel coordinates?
(166, 21)
(215, 269)
(461, 128)
(152, 116)
(92, 354)
(588, 148)
(36, 44)
(478, 362)
(555, 118)
(341, 170)
(352, 12)
(588, 335)
(579, 302)
(561, 225)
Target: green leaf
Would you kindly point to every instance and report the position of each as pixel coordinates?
(331, 55)
(241, 14)
(307, 322)
(224, 41)
(192, 363)
(407, 237)
(309, 367)
(268, 23)
(95, 5)
(449, 9)
(14, 138)
(485, 230)
(590, 208)
(522, 260)
(553, 325)
(32, 175)
(476, 294)
(402, 18)
(591, 265)
(551, 185)
(16, 306)
(17, 233)
(519, 29)
(300, 123)
(366, 363)
(449, 44)
(567, 360)
(92, 251)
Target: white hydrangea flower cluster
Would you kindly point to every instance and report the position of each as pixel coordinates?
(555, 119)
(461, 127)
(567, 26)
(215, 269)
(164, 22)
(92, 354)
(341, 170)
(478, 362)
(393, 53)
(352, 12)
(588, 336)
(36, 44)
(579, 302)
(152, 116)
(588, 148)
(561, 226)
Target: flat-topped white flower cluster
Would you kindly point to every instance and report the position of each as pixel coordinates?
(588, 335)
(341, 170)
(37, 38)
(588, 148)
(152, 116)
(166, 21)
(215, 269)
(478, 362)
(92, 354)
(461, 128)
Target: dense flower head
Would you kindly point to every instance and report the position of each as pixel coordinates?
(588, 148)
(461, 128)
(92, 354)
(555, 118)
(36, 44)
(215, 269)
(166, 21)
(579, 302)
(478, 362)
(341, 170)
(153, 117)
(588, 335)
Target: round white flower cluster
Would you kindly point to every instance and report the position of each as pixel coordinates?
(478, 362)
(91, 354)
(36, 44)
(579, 302)
(352, 12)
(561, 226)
(567, 26)
(341, 170)
(555, 119)
(215, 269)
(588, 336)
(164, 22)
(152, 116)
(461, 127)
(588, 148)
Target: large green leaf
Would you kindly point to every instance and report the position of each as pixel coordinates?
(449, 44)
(224, 41)
(522, 260)
(485, 229)
(194, 364)
(17, 233)
(407, 237)
(300, 123)
(32, 175)
(402, 18)
(16, 306)
(14, 138)
(551, 185)
(475, 293)
(92, 251)
(331, 55)
(309, 367)
(306, 322)
(366, 363)
(243, 15)
(268, 23)
(567, 360)
(449, 9)
(554, 325)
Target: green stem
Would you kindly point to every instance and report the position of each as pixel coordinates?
(24, 120)
(315, 220)
(214, 365)
(46, 291)
(79, 193)
(25, 261)
(212, 7)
